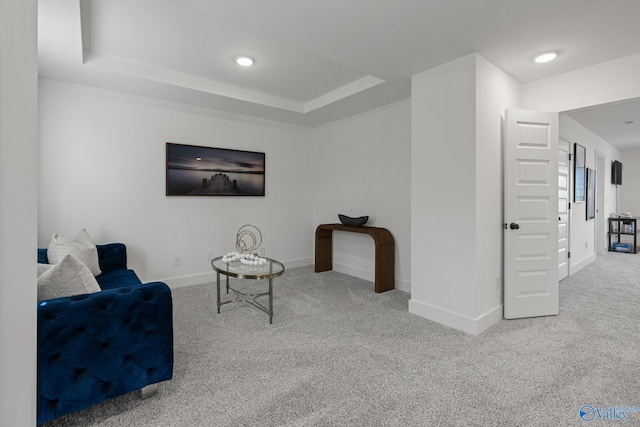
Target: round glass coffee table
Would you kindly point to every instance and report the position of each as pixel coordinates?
(236, 269)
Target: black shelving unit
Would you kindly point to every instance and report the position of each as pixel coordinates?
(618, 228)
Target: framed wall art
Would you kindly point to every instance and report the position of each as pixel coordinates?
(193, 170)
(579, 173)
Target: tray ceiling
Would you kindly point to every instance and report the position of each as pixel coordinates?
(315, 62)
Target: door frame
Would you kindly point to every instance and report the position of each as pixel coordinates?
(599, 238)
(570, 191)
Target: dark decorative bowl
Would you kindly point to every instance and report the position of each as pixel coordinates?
(355, 222)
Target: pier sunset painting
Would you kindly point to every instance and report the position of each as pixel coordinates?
(206, 171)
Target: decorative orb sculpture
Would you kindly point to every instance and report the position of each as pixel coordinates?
(248, 238)
(246, 259)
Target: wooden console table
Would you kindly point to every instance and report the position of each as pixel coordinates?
(385, 252)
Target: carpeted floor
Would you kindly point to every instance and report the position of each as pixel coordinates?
(340, 355)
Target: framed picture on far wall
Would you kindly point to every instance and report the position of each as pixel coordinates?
(194, 170)
(591, 193)
(579, 173)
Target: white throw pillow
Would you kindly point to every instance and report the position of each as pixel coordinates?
(81, 247)
(67, 278)
(43, 268)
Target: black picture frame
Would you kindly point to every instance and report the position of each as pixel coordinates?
(194, 170)
(579, 173)
(591, 194)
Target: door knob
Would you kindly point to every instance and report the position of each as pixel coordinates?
(514, 226)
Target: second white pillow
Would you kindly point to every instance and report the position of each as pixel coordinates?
(81, 247)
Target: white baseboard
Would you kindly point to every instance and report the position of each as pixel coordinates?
(210, 277)
(490, 318)
(353, 271)
(302, 262)
(582, 263)
(455, 320)
(401, 285)
(195, 279)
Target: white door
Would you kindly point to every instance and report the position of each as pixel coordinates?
(531, 214)
(563, 207)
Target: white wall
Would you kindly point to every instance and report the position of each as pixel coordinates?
(582, 233)
(629, 191)
(362, 166)
(88, 131)
(603, 83)
(457, 214)
(443, 193)
(608, 82)
(496, 91)
(102, 167)
(18, 193)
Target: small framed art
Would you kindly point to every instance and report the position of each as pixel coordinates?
(579, 176)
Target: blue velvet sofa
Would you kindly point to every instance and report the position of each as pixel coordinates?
(97, 346)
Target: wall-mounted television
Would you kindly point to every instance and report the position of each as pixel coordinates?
(616, 173)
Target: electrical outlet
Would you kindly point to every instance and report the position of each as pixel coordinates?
(176, 260)
(209, 255)
(585, 245)
(498, 283)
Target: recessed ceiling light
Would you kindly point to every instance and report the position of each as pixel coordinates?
(243, 60)
(545, 57)
(198, 158)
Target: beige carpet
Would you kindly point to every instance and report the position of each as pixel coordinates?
(340, 355)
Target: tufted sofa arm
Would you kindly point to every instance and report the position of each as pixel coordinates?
(96, 346)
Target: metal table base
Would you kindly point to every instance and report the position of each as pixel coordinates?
(268, 272)
(241, 297)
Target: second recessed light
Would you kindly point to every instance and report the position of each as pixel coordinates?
(546, 57)
(244, 60)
